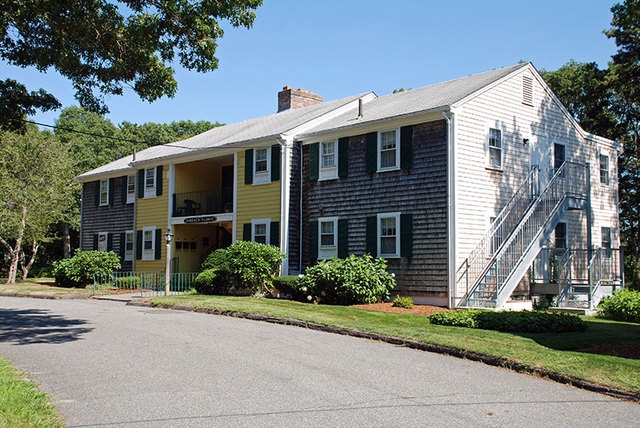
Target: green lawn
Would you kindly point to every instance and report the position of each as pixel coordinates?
(555, 353)
(22, 405)
(40, 287)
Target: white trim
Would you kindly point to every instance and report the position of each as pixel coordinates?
(129, 255)
(261, 221)
(150, 191)
(285, 192)
(262, 177)
(396, 166)
(103, 241)
(328, 251)
(381, 216)
(106, 182)
(330, 172)
(131, 196)
(601, 154)
(149, 254)
(488, 147)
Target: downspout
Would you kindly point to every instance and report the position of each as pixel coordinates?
(82, 215)
(234, 219)
(300, 264)
(172, 189)
(285, 191)
(451, 209)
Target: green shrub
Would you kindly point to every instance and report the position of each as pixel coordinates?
(131, 282)
(624, 305)
(403, 302)
(511, 321)
(348, 281)
(246, 266)
(209, 282)
(78, 271)
(287, 286)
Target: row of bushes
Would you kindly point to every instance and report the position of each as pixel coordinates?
(624, 305)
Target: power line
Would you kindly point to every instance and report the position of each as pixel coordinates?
(91, 134)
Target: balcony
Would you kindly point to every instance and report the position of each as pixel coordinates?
(202, 203)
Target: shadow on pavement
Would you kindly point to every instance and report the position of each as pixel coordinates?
(24, 327)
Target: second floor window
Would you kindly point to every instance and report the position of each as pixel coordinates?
(495, 148)
(389, 153)
(604, 169)
(131, 188)
(104, 192)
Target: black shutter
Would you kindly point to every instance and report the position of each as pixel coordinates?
(406, 147)
(313, 242)
(157, 244)
(314, 161)
(343, 238)
(159, 180)
(372, 236)
(406, 235)
(275, 162)
(96, 192)
(123, 246)
(124, 189)
(95, 241)
(274, 233)
(109, 241)
(138, 245)
(343, 157)
(112, 190)
(248, 166)
(246, 232)
(372, 152)
(141, 183)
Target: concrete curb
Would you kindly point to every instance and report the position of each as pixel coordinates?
(439, 349)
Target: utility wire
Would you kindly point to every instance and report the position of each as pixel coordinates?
(87, 133)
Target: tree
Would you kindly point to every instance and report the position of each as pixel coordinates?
(36, 185)
(104, 46)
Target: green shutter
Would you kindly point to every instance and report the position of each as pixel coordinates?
(343, 238)
(95, 241)
(248, 166)
(112, 190)
(246, 232)
(314, 161)
(406, 235)
(343, 157)
(109, 241)
(159, 180)
(141, 183)
(406, 147)
(372, 152)
(158, 244)
(96, 191)
(313, 242)
(275, 162)
(138, 245)
(123, 190)
(122, 249)
(372, 236)
(274, 233)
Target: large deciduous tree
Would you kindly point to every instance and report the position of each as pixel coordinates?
(103, 46)
(36, 185)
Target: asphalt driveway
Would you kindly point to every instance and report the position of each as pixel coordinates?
(111, 365)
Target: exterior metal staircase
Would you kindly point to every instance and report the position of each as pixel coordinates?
(496, 266)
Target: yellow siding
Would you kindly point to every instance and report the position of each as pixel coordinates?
(154, 212)
(255, 201)
(198, 176)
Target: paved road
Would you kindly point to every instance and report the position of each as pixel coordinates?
(111, 365)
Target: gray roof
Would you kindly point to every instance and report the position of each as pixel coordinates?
(116, 168)
(414, 101)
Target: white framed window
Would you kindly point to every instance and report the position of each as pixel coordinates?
(327, 237)
(605, 239)
(494, 148)
(103, 238)
(260, 230)
(104, 192)
(604, 170)
(131, 188)
(262, 166)
(328, 160)
(148, 243)
(561, 241)
(128, 245)
(150, 183)
(559, 156)
(388, 150)
(389, 235)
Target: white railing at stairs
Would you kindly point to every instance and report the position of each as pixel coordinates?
(503, 267)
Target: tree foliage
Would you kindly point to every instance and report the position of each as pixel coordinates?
(103, 46)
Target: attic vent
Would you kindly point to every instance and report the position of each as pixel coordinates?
(527, 90)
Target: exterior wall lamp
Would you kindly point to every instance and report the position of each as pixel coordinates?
(168, 236)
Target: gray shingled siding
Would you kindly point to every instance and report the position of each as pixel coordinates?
(114, 219)
(294, 211)
(420, 191)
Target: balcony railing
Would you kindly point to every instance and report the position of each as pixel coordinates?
(202, 203)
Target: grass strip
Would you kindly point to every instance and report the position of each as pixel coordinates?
(22, 405)
(558, 355)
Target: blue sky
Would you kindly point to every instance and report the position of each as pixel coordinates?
(340, 48)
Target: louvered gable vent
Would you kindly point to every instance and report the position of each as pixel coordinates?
(527, 90)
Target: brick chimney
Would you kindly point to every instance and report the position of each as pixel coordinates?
(296, 98)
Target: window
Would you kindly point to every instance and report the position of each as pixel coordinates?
(560, 241)
(260, 230)
(495, 148)
(131, 188)
(328, 160)
(604, 169)
(104, 192)
(128, 245)
(149, 182)
(261, 166)
(328, 237)
(389, 238)
(605, 233)
(559, 156)
(148, 243)
(388, 151)
(103, 239)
